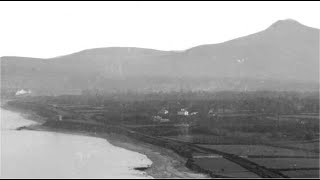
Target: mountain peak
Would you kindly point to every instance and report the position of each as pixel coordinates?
(286, 23)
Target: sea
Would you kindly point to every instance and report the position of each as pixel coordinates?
(40, 154)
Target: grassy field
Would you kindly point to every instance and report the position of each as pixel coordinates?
(286, 163)
(302, 173)
(262, 150)
(208, 139)
(309, 146)
(225, 167)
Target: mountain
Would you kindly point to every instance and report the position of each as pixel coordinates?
(285, 56)
(286, 50)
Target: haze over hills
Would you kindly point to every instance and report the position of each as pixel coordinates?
(285, 56)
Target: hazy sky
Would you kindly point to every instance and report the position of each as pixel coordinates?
(48, 29)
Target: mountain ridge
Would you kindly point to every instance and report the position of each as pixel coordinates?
(275, 24)
(285, 51)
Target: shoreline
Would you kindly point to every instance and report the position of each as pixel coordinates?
(165, 162)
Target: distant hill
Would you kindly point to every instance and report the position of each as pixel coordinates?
(285, 56)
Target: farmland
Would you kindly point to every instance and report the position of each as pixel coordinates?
(251, 134)
(261, 150)
(224, 167)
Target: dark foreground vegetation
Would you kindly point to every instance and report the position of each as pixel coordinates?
(258, 115)
(262, 121)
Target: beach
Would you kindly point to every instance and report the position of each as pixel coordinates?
(161, 163)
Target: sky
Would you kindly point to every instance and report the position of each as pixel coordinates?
(50, 29)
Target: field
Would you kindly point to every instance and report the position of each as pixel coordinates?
(259, 150)
(292, 167)
(208, 139)
(301, 163)
(224, 167)
(286, 163)
(302, 173)
(307, 146)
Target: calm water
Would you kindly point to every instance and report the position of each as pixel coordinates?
(29, 154)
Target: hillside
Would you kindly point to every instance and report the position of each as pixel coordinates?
(285, 56)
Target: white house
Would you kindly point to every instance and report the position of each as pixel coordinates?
(22, 92)
(211, 112)
(194, 113)
(183, 112)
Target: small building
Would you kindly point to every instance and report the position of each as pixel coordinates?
(160, 119)
(183, 112)
(163, 111)
(193, 113)
(59, 117)
(23, 92)
(211, 113)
